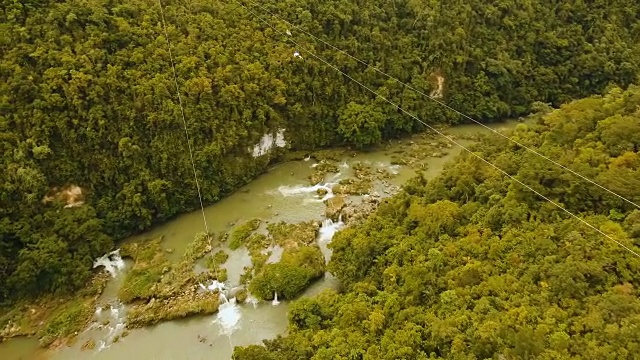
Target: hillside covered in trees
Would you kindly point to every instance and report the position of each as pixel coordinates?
(88, 109)
(472, 265)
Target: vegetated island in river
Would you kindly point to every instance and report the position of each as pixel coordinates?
(156, 289)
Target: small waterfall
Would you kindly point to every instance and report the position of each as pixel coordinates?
(223, 298)
(228, 317)
(229, 314)
(275, 301)
(344, 165)
(115, 312)
(213, 286)
(326, 233)
(252, 300)
(329, 228)
(116, 324)
(302, 190)
(112, 262)
(218, 286)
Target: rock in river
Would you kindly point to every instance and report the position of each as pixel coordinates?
(334, 207)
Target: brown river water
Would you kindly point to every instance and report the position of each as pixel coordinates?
(281, 194)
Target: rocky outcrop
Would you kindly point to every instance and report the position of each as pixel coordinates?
(72, 196)
(334, 207)
(355, 213)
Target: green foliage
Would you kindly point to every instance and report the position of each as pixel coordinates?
(60, 245)
(53, 318)
(65, 321)
(159, 290)
(219, 258)
(253, 352)
(471, 265)
(150, 263)
(293, 235)
(242, 233)
(181, 306)
(361, 125)
(289, 277)
(87, 98)
(199, 247)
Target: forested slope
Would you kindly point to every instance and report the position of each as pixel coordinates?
(472, 265)
(87, 98)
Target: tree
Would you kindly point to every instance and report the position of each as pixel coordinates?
(361, 124)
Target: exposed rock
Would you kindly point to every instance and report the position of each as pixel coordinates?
(355, 213)
(334, 207)
(88, 345)
(352, 186)
(241, 296)
(439, 80)
(321, 170)
(71, 195)
(292, 235)
(316, 178)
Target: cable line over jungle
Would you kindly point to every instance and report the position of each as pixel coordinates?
(443, 104)
(302, 48)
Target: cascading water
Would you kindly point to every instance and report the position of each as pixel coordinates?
(301, 190)
(326, 233)
(329, 228)
(223, 298)
(275, 301)
(112, 262)
(228, 316)
(252, 300)
(112, 321)
(214, 285)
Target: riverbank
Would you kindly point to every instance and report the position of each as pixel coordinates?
(53, 320)
(337, 185)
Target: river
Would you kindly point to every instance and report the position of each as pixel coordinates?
(281, 194)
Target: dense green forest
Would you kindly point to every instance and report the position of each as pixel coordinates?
(87, 99)
(471, 265)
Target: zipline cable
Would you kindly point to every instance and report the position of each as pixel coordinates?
(445, 136)
(186, 132)
(184, 121)
(432, 98)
